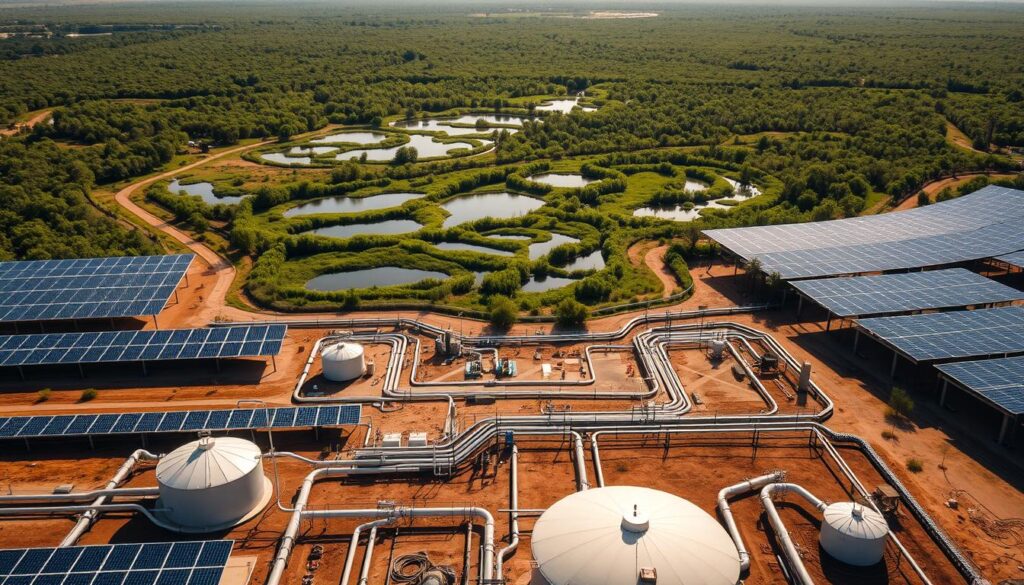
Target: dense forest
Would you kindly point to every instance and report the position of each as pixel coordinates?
(828, 110)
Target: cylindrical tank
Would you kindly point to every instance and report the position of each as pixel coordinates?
(853, 533)
(211, 484)
(623, 534)
(717, 348)
(343, 361)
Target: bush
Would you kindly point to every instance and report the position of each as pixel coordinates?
(43, 395)
(88, 394)
(900, 402)
(503, 282)
(503, 312)
(915, 465)
(571, 313)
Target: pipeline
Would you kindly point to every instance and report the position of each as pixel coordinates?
(788, 548)
(350, 555)
(95, 509)
(80, 496)
(513, 515)
(739, 489)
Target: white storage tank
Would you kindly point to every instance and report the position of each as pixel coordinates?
(343, 361)
(630, 535)
(853, 533)
(211, 484)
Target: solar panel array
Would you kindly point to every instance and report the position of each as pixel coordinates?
(999, 381)
(959, 334)
(129, 346)
(895, 293)
(89, 288)
(1016, 259)
(984, 224)
(155, 563)
(68, 425)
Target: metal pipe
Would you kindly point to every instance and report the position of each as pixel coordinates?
(732, 491)
(353, 544)
(72, 510)
(365, 570)
(513, 515)
(86, 520)
(466, 553)
(80, 496)
(788, 548)
(581, 463)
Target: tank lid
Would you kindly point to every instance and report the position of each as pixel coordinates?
(856, 520)
(636, 521)
(342, 351)
(207, 462)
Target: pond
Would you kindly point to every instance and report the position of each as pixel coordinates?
(564, 106)
(445, 124)
(480, 205)
(363, 138)
(508, 237)
(743, 193)
(283, 159)
(592, 261)
(312, 150)
(425, 146)
(471, 248)
(561, 180)
(541, 248)
(541, 284)
(391, 226)
(382, 276)
(679, 213)
(694, 186)
(342, 204)
(204, 190)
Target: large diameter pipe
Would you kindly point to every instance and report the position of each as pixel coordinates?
(364, 571)
(581, 464)
(513, 515)
(788, 548)
(86, 520)
(80, 496)
(95, 509)
(353, 544)
(744, 487)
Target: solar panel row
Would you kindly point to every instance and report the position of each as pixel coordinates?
(1016, 258)
(895, 293)
(959, 334)
(156, 563)
(1000, 381)
(177, 421)
(983, 224)
(89, 288)
(126, 346)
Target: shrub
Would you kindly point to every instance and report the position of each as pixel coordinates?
(43, 395)
(915, 465)
(900, 402)
(88, 394)
(503, 312)
(503, 282)
(571, 313)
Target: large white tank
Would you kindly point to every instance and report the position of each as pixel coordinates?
(211, 484)
(613, 534)
(853, 533)
(343, 361)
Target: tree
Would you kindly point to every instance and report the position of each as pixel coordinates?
(900, 402)
(503, 312)
(405, 154)
(571, 313)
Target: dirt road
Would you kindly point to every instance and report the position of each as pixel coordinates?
(931, 189)
(36, 118)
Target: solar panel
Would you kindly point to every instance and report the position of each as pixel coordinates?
(896, 293)
(1016, 259)
(168, 563)
(983, 224)
(41, 290)
(177, 421)
(127, 346)
(959, 334)
(999, 381)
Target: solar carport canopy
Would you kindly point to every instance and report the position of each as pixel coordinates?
(959, 334)
(983, 224)
(133, 346)
(89, 288)
(898, 293)
(1016, 259)
(998, 381)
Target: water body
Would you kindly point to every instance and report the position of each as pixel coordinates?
(542, 248)
(445, 124)
(426, 146)
(673, 212)
(363, 138)
(564, 106)
(501, 119)
(694, 186)
(536, 284)
(342, 204)
(742, 193)
(471, 248)
(312, 150)
(592, 261)
(382, 276)
(561, 180)
(284, 159)
(391, 226)
(204, 190)
(480, 205)
(507, 237)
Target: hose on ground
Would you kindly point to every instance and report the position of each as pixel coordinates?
(416, 568)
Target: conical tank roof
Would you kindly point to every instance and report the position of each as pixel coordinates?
(207, 462)
(605, 536)
(856, 520)
(342, 351)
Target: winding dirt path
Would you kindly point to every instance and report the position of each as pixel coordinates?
(931, 189)
(655, 260)
(36, 118)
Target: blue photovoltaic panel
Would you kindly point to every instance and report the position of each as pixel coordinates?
(983, 224)
(178, 563)
(128, 346)
(959, 334)
(177, 421)
(999, 381)
(90, 288)
(897, 293)
(1016, 259)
